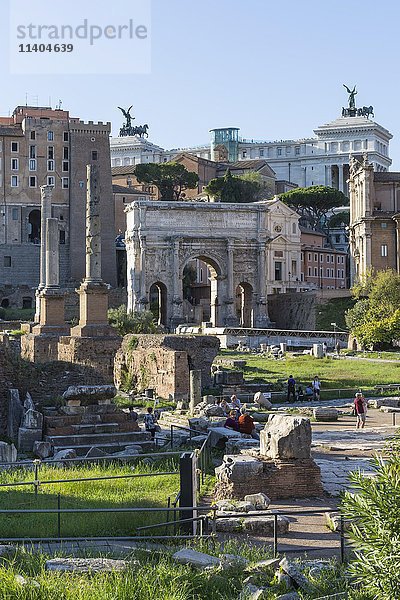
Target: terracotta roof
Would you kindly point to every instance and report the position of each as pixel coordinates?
(122, 189)
(246, 165)
(11, 130)
(124, 170)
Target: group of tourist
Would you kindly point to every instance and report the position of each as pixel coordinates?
(238, 418)
(311, 391)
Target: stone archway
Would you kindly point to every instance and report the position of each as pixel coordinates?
(244, 304)
(158, 302)
(206, 304)
(164, 237)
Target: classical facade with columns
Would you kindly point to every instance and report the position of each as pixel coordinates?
(249, 249)
(374, 219)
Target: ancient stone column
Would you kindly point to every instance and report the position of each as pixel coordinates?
(261, 317)
(194, 389)
(177, 300)
(230, 317)
(46, 192)
(93, 292)
(93, 227)
(51, 297)
(52, 266)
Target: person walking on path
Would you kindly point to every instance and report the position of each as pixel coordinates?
(316, 386)
(360, 410)
(291, 388)
(150, 422)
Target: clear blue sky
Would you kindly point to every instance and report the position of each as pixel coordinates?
(274, 69)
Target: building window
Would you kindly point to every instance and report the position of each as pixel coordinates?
(321, 258)
(342, 261)
(297, 150)
(14, 146)
(7, 261)
(66, 136)
(14, 164)
(14, 181)
(261, 152)
(62, 236)
(315, 257)
(65, 183)
(32, 181)
(33, 135)
(338, 273)
(309, 257)
(279, 151)
(278, 271)
(15, 214)
(65, 166)
(315, 272)
(309, 271)
(32, 164)
(50, 152)
(384, 250)
(65, 153)
(51, 180)
(328, 272)
(294, 227)
(94, 155)
(50, 136)
(32, 151)
(50, 165)
(338, 259)
(244, 154)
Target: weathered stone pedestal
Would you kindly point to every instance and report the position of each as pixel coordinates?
(41, 345)
(92, 342)
(284, 468)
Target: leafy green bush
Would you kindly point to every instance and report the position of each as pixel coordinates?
(136, 322)
(374, 508)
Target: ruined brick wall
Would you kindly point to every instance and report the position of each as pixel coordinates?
(163, 362)
(44, 381)
(300, 478)
(97, 354)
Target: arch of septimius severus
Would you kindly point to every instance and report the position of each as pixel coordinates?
(236, 241)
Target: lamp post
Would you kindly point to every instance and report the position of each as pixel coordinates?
(289, 280)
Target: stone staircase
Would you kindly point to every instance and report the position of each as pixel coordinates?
(104, 427)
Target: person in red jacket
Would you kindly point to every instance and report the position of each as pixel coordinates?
(360, 409)
(246, 425)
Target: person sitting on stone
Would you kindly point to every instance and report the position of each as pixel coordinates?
(309, 392)
(246, 425)
(225, 407)
(232, 422)
(235, 404)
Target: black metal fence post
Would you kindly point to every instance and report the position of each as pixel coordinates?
(36, 463)
(59, 515)
(342, 547)
(188, 488)
(275, 535)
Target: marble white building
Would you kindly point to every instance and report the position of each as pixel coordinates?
(320, 160)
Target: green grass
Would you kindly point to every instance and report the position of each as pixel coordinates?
(156, 577)
(124, 402)
(334, 374)
(118, 493)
